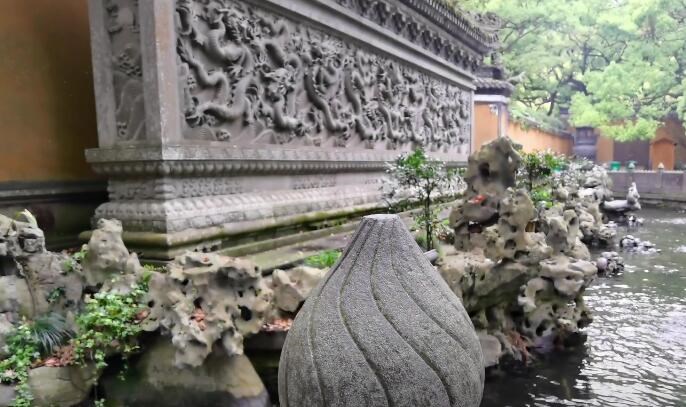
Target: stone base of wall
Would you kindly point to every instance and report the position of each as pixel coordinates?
(243, 238)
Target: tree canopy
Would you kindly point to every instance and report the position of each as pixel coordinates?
(618, 65)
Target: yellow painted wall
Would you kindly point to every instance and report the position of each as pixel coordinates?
(537, 140)
(668, 145)
(485, 125)
(486, 130)
(605, 150)
(47, 108)
(662, 151)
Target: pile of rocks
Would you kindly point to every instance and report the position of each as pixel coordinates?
(633, 244)
(587, 189)
(521, 273)
(609, 264)
(200, 309)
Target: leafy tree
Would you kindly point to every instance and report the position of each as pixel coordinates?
(618, 65)
(415, 178)
(536, 174)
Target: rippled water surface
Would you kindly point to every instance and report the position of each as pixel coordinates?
(636, 349)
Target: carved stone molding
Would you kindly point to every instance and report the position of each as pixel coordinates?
(179, 214)
(441, 30)
(203, 160)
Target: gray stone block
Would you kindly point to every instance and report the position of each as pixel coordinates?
(382, 329)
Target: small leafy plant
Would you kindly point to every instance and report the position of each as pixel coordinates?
(536, 174)
(75, 259)
(23, 349)
(324, 259)
(152, 267)
(50, 332)
(414, 178)
(110, 323)
(55, 295)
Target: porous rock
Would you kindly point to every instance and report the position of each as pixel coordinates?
(292, 287)
(490, 172)
(382, 329)
(491, 347)
(207, 299)
(569, 276)
(609, 264)
(633, 244)
(61, 386)
(620, 206)
(19, 239)
(17, 300)
(107, 255)
(155, 380)
(521, 271)
(5, 329)
(462, 270)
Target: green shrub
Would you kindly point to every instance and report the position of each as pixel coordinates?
(75, 259)
(50, 332)
(110, 323)
(23, 349)
(324, 259)
(416, 179)
(536, 174)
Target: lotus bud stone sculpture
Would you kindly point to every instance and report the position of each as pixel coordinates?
(382, 329)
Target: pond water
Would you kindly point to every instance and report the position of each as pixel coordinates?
(636, 349)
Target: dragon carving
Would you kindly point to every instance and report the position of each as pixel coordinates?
(247, 73)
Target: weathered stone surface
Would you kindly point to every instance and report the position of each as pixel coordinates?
(383, 328)
(491, 347)
(5, 329)
(291, 288)
(51, 273)
(19, 239)
(61, 386)
(107, 255)
(7, 395)
(228, 381)
(34, 280)
(569, 276)
(631, 202)
(609, 264)
(633, 244)
(16, 298)
(207, 300)
(462, 270)
(523, 270)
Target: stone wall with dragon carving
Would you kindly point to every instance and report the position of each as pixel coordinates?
(280, 107)
(252, 77)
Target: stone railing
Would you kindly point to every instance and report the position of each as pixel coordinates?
(652, 185)
(223, 115)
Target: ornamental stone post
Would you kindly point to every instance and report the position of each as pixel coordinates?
(222, 120)
(382, 329)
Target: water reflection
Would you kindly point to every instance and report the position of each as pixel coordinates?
(636, 351)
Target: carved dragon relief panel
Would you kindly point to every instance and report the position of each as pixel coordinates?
(124, 34)
(249, 77)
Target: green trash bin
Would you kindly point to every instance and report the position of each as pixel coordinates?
(615, 165)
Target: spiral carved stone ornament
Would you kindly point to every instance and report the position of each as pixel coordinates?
(382, 329)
